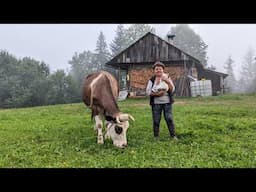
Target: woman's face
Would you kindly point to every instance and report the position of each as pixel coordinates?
(158, 71)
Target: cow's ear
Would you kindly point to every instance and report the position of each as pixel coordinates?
(114, 120)
(109, 118)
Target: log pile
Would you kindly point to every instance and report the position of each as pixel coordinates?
(139, 78)
(175, 72)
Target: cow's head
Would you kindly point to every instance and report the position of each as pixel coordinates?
(117, 129)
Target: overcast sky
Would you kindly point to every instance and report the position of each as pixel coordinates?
(55, 44)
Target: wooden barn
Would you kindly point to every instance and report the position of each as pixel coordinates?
(133, 65)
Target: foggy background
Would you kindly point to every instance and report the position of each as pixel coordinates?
(45, 64)
(55, 44)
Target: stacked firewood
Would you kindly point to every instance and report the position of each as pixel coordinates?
(139, 79)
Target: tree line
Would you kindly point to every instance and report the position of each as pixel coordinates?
(26, 82)
(247, 81)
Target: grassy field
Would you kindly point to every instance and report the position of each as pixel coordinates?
(214, 132)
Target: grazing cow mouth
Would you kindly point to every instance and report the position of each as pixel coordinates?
(123, 146)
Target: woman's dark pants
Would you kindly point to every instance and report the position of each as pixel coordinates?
(157, 113)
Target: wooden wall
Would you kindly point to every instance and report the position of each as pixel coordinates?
(216, 84)
(150, 48)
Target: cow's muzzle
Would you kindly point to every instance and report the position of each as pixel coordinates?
(122, 146)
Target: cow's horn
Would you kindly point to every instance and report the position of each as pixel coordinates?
(131, 117)
(126, 117)
(123, 117)
(118, 119)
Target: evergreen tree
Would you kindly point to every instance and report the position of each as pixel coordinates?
(248, 73)
(230, 81)
(187, 40)
(118, 44)
(102, 53)
(136, 31)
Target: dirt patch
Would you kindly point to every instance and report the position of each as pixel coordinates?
(139, 104)
(147, 104)
(180, 102)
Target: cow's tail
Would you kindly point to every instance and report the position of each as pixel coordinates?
(91, 98)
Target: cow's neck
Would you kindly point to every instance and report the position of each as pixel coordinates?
(111, 108)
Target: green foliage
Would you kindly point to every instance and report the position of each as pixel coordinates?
(63, 88)
(27, 82)
(23, 82)
(214, 132)
(82, 64)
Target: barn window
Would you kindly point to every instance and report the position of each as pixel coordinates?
(123, 79)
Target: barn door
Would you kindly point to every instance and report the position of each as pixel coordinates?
(122, 79)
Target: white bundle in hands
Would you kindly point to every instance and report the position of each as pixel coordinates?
(161, 86)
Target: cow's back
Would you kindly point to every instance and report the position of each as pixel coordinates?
(113, 84)
(95, 83)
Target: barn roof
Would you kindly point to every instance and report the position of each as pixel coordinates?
(148, 49)
(216, 72)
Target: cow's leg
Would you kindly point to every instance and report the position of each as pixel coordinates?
(95, 112)
(99, 125)
(95, 127)
(107, 134)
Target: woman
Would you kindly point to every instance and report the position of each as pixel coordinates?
(160, 88)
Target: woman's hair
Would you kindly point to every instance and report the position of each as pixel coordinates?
(158, 64)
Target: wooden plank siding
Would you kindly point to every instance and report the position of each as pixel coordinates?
(216, 78)
(150, 48)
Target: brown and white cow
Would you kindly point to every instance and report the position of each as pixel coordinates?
(100, 93)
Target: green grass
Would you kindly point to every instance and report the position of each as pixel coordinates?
(214, 132)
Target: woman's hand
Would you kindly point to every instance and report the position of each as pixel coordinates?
(165, 78)
(158, 94)
(161, 93)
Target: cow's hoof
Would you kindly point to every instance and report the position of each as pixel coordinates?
(107, 136)
(100, 140)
